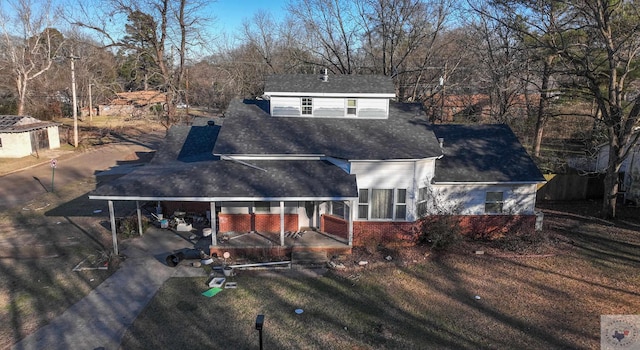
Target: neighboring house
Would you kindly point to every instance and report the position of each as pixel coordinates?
(629, 174)
(21, 136)
(474, 108)
(336, 153)
(134, 102)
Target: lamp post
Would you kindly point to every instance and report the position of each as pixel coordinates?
(259, 324)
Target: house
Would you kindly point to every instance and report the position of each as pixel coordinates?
(133, 102)
(21, 136)
(335, 154)
(629, 174)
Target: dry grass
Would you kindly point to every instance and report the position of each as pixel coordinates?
(541, 301)
(40, 244)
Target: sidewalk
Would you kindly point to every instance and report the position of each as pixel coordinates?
(99, 320)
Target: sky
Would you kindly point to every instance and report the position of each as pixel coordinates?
(231, 13)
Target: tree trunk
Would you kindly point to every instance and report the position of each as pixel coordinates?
(21, 85)
(543, 106)
(610, 194)
(611, 178)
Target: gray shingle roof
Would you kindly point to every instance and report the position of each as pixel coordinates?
(188, 143)
(313, 83)
(226, 179)
(483, 153)
(249, 130)
(21, 123)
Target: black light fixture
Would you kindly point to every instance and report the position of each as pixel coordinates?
(259, 325)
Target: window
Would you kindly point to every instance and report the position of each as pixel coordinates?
(352, 106)
(423, 206)
(337, 209)
(307, 106)
(262, 207)
(494, 202)
(363, 204)
(382, 204)
(401, 204)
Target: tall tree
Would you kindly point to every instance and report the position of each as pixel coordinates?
(598, 41)
(329, 31)
(29, 43)
(159, 29)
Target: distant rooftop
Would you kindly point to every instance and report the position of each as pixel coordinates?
(21, 123)
(139, 98)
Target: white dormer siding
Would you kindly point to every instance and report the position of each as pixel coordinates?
(329, 107)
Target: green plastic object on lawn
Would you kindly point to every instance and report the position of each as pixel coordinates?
(211, 292)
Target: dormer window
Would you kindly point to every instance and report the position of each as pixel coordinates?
(307, 106)
(352, 106)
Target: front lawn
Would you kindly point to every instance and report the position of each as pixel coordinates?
(457, 300)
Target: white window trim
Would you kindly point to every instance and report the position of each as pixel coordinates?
(302, 106)
(501, 202)
(346, 111)
(395, 205)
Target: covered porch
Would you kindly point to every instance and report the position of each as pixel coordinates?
(264, 244)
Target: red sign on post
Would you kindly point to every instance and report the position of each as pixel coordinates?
(54, 163)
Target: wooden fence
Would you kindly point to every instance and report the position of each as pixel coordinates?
(570, 187)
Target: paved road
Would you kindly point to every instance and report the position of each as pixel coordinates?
(22, 186)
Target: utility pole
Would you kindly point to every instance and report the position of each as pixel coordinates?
(75, 101)
(90, 105)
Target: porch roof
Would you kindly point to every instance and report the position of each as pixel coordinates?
(225, 180)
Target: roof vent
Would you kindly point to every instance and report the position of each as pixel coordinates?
(441, 141)
(325, 76)
(211, 123)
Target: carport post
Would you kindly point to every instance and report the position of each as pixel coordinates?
(112, 216)
(352, 205)
(282, 223)
(214, 234)
(139, 216)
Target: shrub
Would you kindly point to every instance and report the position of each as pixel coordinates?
(128, 226)
(372, 242)
(439, 232)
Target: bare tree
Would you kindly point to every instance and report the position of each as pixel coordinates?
(597, 42)
(162, 29)
(29, 43)
(329, 31)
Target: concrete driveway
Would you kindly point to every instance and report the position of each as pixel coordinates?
(99, 320)
(26, 184)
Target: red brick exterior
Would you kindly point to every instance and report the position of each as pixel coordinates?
(366, 232)
(473, 226)
(256, 222)
(335, 226)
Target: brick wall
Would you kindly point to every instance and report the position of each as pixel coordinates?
(335, 226)
(365, 232)
(474, 226)
(256, 222)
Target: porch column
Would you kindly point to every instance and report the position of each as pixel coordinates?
(112, 217)
(214, 233)
(139, 212)
(282, 223)
(352, 208)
